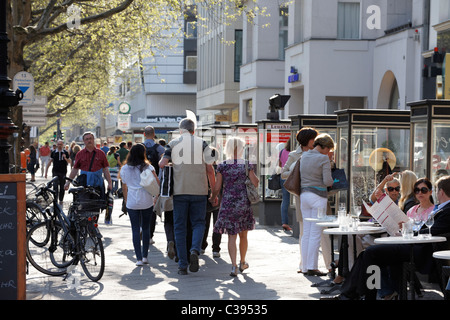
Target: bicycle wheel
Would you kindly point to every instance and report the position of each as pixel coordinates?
(92, 252)
(62, 253)
(34, 214)
(39, 248)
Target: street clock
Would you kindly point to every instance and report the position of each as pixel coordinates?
(124, 108)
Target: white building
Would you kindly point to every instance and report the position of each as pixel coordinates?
(331, 54)
(218, 71)
(327, 55)
(160, 92)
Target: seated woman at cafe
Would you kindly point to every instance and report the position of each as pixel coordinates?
(423, 190)
(393, 255)
(407, 197)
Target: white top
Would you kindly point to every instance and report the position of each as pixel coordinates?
(442, 254)
(401, 240)
(361, 230)
(137, 197)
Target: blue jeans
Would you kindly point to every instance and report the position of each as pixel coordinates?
(284, 203)
(140, 219)
(192, 207)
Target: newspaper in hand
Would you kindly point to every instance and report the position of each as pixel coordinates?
(388, 214)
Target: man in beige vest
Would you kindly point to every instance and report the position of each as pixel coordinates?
(192, 168)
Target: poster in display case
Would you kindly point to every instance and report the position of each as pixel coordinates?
(430, 128)
(371, 143)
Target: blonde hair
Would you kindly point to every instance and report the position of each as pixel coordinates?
(407, 180)
(324, 140)
(234, 145)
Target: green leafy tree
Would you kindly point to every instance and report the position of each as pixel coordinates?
(76, 48)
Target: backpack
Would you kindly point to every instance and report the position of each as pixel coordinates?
(153, 156)
(112, 160)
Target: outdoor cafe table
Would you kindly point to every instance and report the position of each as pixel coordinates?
(410, 266)
(362, 229)
(444, 255)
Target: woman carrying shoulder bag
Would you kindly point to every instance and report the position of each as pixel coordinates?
(139, 202)
(315, 172)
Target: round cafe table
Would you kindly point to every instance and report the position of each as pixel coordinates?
(409, 268)
(344, 243)
(445, 271)
(445, 255)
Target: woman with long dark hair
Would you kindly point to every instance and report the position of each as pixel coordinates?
(138, 201)
(423, 189)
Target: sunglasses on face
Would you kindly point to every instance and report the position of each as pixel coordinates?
(390, 189)
(423, 190)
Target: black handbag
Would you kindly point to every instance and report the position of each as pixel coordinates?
(81, 180)
(340, 180)
(274, 182)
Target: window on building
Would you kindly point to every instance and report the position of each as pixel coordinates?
(348, 20)
(191, 30)
(283, 38)
(191, 63)
(237, 55)
(249, 107)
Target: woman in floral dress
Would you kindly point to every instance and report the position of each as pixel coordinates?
(235, 214)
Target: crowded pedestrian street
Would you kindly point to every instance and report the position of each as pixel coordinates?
(273, 257)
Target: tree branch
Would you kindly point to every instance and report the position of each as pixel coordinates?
(39, 31)
(59, 111)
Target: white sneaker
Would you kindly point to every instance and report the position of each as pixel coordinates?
(139, 263)
(144, 260)
(216, 254)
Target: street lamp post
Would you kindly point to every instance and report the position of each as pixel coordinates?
(8, 98)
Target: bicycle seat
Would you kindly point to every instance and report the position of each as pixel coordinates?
(76, 189)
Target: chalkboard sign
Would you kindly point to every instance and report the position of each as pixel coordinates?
(12, 236)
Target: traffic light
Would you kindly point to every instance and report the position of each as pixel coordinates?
(62, 135)
(54, 135)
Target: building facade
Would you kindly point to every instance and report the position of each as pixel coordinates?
(159, 88)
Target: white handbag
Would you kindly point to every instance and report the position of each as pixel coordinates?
(149, 182)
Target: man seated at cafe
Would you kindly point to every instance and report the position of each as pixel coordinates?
(393, 255)
(392, 187)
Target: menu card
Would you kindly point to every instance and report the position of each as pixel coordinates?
(388, 214)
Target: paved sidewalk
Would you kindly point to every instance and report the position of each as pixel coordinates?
(273, 256)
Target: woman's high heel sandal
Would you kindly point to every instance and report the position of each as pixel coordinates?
(233, 271)
(243, 266)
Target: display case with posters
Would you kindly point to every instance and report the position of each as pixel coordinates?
(272, 138)
(430, 128)
(219, 135)
(371, 143)
(249, 133)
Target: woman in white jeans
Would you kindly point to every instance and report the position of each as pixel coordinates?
(315, 173)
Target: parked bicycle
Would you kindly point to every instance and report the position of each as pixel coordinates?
(64, 240)
(37, 201)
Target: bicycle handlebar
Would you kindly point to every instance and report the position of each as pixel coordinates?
(77, 188)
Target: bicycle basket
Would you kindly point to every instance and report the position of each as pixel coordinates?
(86, 201)
(44, 199)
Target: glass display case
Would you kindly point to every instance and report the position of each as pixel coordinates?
(272, 137)
(324, 123)
(371, 143)
(219, 134)
(430, 127)
(248, 132)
